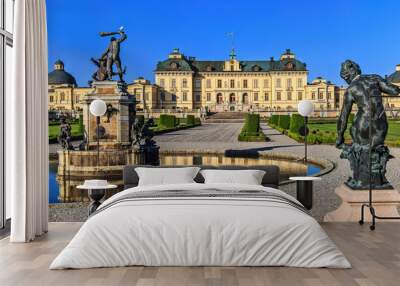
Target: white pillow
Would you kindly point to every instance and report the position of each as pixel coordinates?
(166, 176)
(248, 177)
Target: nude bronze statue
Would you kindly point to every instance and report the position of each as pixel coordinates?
(110, 57)
(362, 91)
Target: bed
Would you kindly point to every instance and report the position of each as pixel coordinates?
(197, 224)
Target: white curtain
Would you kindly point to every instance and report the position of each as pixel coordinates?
(26, 124)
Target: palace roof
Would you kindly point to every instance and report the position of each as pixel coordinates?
(394, 77)
(60, 76)
(192, 65)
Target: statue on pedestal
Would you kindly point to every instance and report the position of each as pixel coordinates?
(365, 92)
(142, 140)
(64, 135)
(110, 57)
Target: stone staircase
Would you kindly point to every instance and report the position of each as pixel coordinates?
(226, 117)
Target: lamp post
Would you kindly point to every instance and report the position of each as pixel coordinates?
(98, 108)
(305, 108)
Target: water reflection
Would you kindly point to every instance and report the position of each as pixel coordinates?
(62, 188)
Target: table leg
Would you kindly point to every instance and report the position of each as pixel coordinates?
(95, 196)
(304, 193)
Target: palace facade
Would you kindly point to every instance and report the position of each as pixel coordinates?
(186, 84)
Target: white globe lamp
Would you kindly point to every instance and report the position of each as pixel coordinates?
(98, 108)
(305, 109)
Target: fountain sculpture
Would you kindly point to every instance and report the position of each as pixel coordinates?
(121, 140)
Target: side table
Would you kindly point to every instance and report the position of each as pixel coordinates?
(96, 192)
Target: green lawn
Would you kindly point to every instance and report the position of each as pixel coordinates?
(54, 129)
(393, 137)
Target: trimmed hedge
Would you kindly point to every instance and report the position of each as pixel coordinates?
(296, 122)
(179, 123)
(251, 129)
(167, 121)
(274, 119)
(190, 120)
(80, 124)
(284, 121)
(252, 123)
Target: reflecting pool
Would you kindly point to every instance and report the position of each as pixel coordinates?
(62, 188)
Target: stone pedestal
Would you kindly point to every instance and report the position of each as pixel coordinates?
(385, 203)
(116, 123)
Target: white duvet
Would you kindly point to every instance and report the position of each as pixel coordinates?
(200, 231)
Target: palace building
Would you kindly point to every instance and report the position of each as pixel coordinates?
(187, 84)
(236, 85)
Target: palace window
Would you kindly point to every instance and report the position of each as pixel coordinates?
(289, 95)
(62, 96)
(289, 83)
(266, 96)
(265, 83)
(329, 95)
(220, 99)
(208, 96)
(320, 95)
(162, 82)
(232, 85)
(278, 82)
(299, 95)
(173, 97)
(232, 98)
(256, 96)
(313, 95)
(162, 96)
(219, 83)
(232, 67)
(184, 83)
(299, 82)
(184, 96)
(255, 83)
(173, 83)
(197, 83)
(197, 97)
(208, 83)
(245, 99)
(51, 98)
(278, 95)
(245, 83)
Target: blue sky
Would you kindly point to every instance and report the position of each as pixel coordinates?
(321, 33)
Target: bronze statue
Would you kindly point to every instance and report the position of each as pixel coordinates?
(109, 58)
(365, 91)
(111, 110)
(111, 55)
(101, 73)
(64, 135)
(142, 135)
